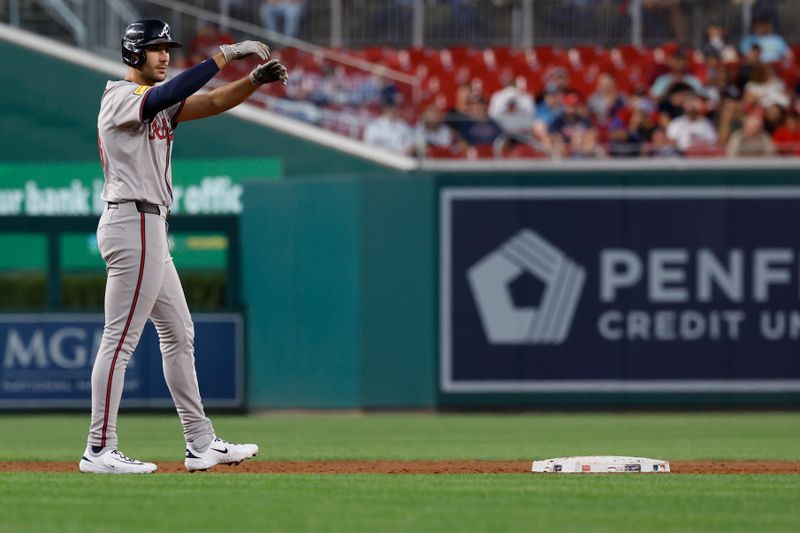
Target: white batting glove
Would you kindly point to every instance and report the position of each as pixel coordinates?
(244, 49)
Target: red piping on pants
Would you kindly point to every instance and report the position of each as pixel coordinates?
(124, 333)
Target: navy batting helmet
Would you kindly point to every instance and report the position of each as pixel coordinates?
(143, 33)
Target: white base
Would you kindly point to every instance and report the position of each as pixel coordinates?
(601, 464)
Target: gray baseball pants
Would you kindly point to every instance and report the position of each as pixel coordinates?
(142, 283)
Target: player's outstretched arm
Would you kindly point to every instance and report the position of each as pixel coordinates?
(191, 80)
(223, 98)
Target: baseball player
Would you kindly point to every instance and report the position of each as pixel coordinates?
(135, 132)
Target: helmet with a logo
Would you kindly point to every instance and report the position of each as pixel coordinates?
(142, 33)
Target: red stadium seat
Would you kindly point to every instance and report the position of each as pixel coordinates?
(440, 152)
(483, 151)
(704, 151)
(523, 151)
(441, 72)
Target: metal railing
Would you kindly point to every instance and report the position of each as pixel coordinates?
(446, 23)
(63, 13)
(520, 23)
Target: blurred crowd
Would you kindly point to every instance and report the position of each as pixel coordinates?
(739, 99)
(717, 100)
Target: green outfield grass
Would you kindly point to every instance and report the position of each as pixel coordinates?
(378, 503)
(375, 503)
(425, 436)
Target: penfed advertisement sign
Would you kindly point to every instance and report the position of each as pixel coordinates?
(648, 289)
(46, 361)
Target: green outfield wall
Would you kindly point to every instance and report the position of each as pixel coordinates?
(337, 280)
(343, 286)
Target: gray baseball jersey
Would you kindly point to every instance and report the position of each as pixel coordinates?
(135, 154)
(142, 280)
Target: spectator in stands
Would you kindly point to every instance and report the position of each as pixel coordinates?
(751, 140)
(516, 90)
(432, 134)
(206, 42)
(787, 137)
(773, 118)
(718, 82)
(692, 130)
(607, 100)
(765, 88)
(730, 117)
(512, 108)
(478, 129)
(630, 140)
(390, 132)
(678, 74)
(673, 105)
(457, 115)
(366, 89)
(558, 77)
(547, 109)
(282, 16)
(773, 46)
(750, 60)
(550, 106)
(660, 145)
(572, 134)
(640, 100)
(622, 142)
(715, 44)
(390, 93)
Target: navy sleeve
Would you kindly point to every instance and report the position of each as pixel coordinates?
(177, 89)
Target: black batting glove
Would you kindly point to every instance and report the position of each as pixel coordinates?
(269, 72)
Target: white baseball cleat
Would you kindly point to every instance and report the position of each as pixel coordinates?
(112, 461)
(220, 452)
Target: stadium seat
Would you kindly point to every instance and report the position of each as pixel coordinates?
(483, 151)
(704, 151)
(442, 71)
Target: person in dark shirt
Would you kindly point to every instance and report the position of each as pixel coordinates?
(459, 112)
(478, 129)
(750, 60)
(571, 132)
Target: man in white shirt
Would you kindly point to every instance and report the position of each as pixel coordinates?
(513, 108)
(692, 129)
(432, 132)
(390, 132)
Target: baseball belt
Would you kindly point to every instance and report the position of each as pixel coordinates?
(142, 207)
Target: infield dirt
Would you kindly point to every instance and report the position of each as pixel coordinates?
(414, 467)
